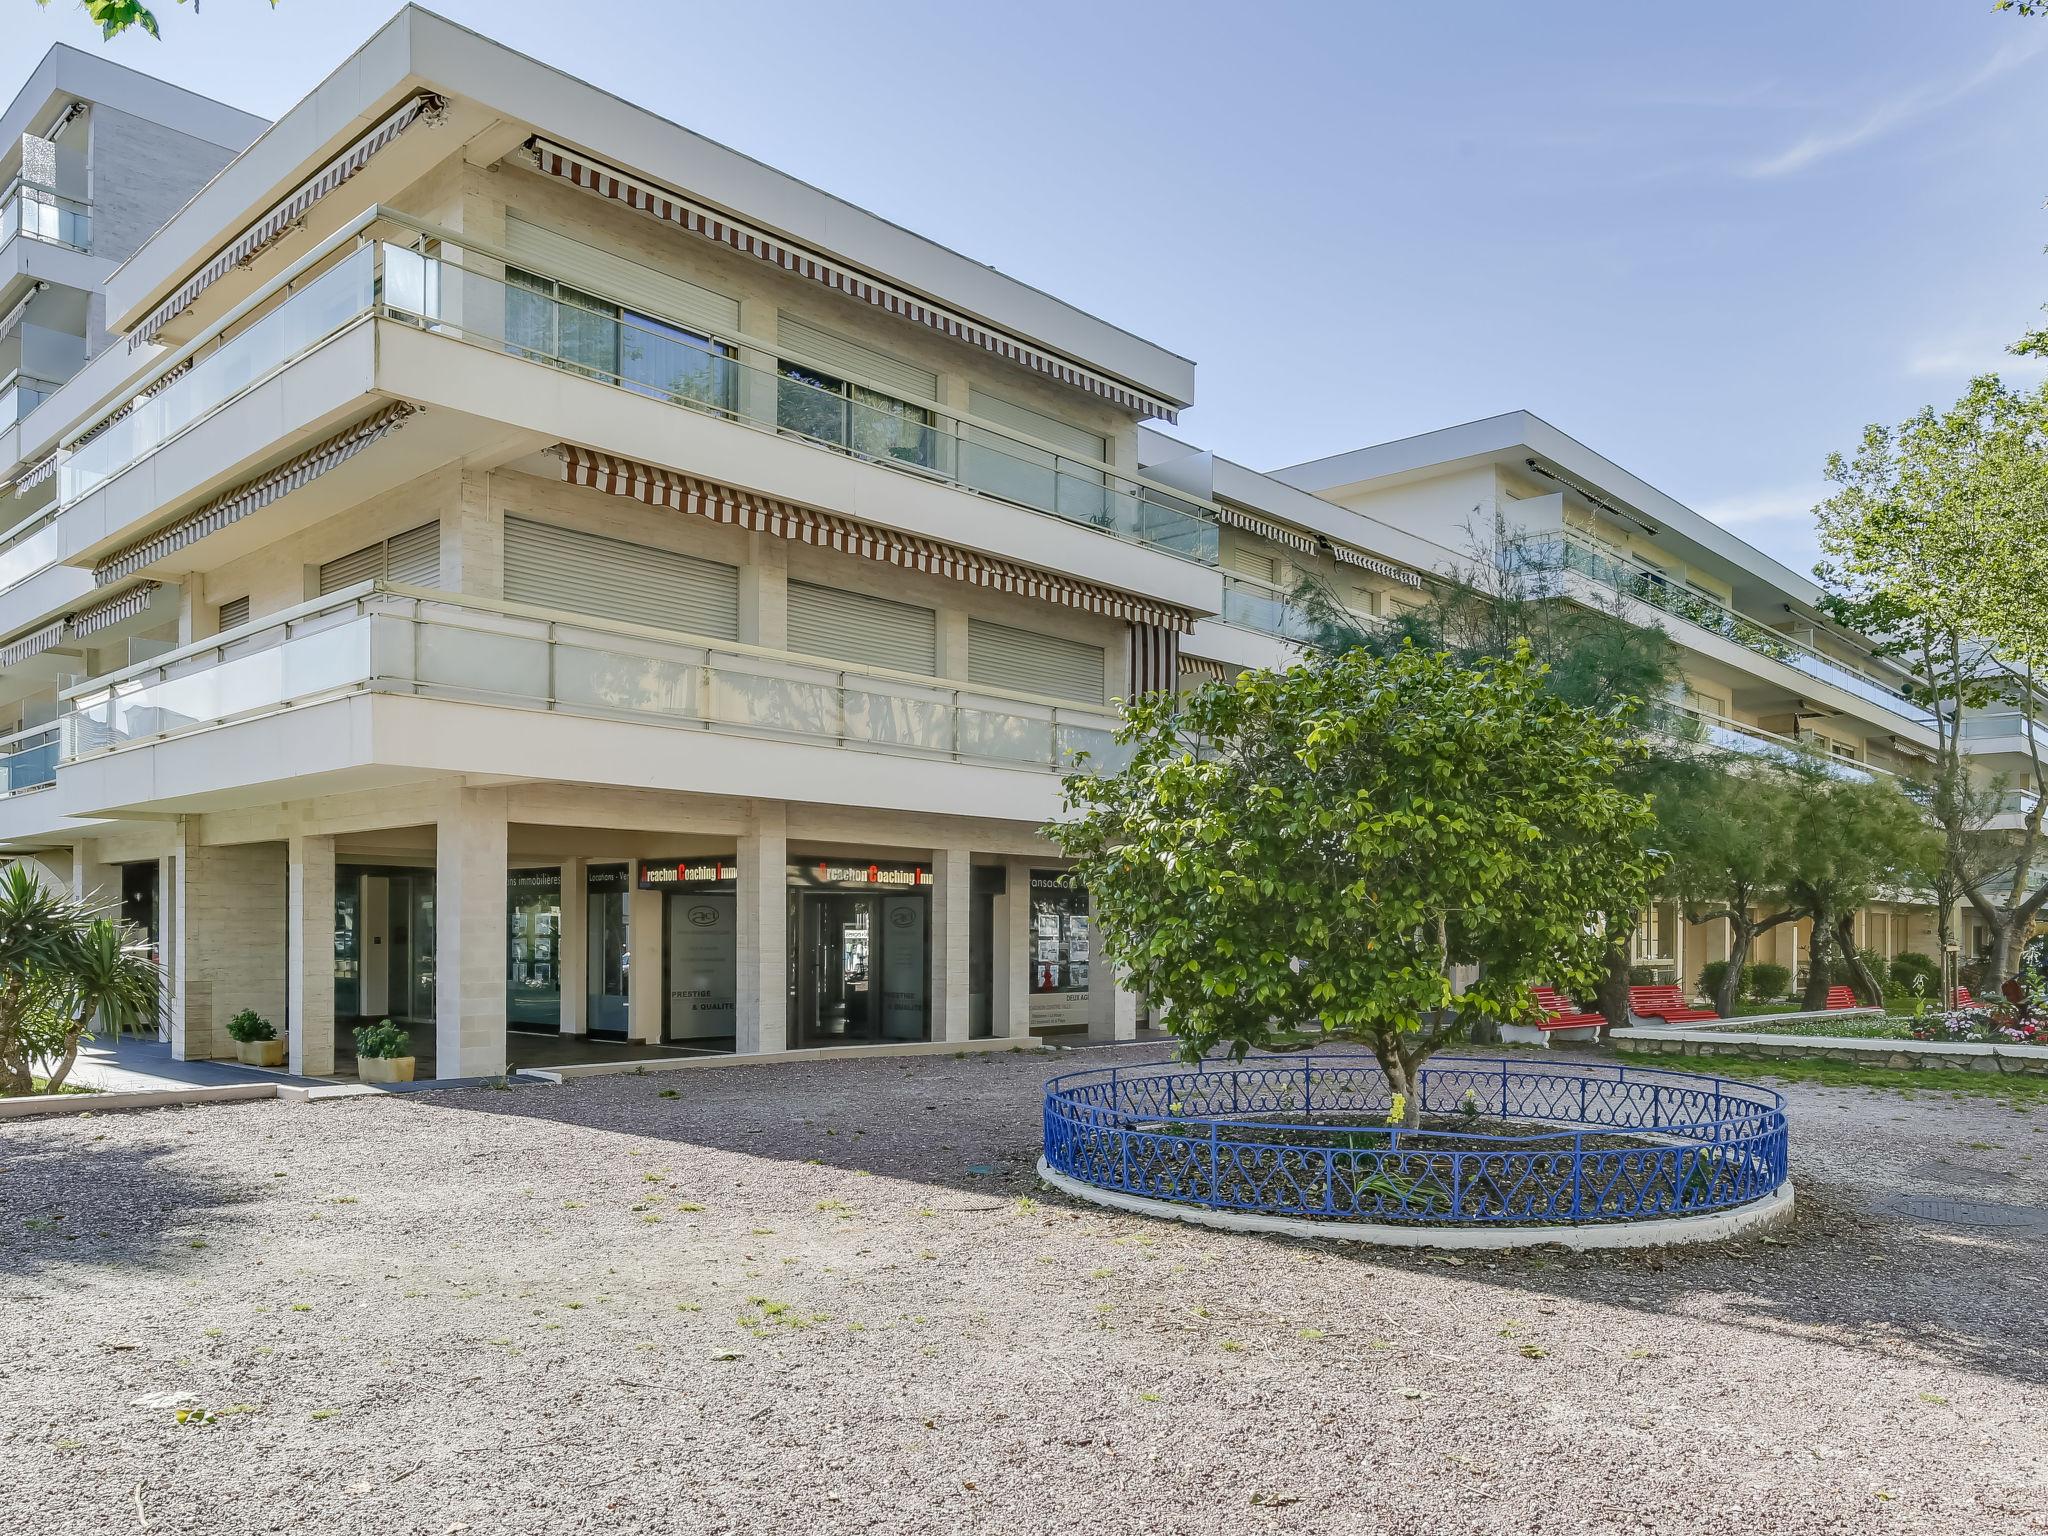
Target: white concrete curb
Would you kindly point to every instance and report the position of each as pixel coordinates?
(142, 1098)
(1671, 1231)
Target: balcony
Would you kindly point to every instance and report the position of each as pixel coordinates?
(20, 396)
(1253, 604)
(1609, 568)
(782, 394)
(28, 760)
(1730, 735)
(28, 550)
(410, 642)
(40, 213)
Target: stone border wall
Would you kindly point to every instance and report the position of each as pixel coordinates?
(1907, 1055)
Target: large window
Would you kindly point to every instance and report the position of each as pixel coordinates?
(1061, 943)
(533, 950)
(592, 336)
(846, 415)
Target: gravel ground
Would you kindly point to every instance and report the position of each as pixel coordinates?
(830, 1296)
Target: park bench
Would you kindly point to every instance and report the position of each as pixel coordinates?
(1562, 1019)
(1963, 998)
(1666, 1005)
(1841, 997)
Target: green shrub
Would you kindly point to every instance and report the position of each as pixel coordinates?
(384, 1041)
(1711, 976)
(1765, 981)
(250, 1025)
(1646, 976)
(1839, 974)
(1909, 967)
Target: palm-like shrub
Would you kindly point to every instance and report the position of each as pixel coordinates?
(62, 967)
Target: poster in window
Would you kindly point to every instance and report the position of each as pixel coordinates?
(1059, 919)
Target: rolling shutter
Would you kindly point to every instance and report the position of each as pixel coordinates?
(1071, 441)
(1247, 559)
(852, 626)
(1019, 659)
(836, 353)
(613, 277)
(552, 567)
(412, 558)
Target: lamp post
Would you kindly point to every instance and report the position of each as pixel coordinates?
(1950, 975)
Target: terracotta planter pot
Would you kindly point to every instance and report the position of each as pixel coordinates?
(260, 1053)
(384, 1069)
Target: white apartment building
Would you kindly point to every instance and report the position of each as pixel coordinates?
(522, 569)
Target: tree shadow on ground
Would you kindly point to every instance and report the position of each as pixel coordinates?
(1838, 1273)
(69, 1203)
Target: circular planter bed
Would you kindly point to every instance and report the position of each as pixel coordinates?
(1507, 1154)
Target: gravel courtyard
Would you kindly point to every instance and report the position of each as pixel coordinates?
(830, 1297)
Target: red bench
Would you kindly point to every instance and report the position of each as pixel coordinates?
(1562, 1013)
(1665, 1003)
(1963, 998)
(1841, 997)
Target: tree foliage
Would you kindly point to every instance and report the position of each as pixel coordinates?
(113, 17)
(1934, 535)
(1310, 854)
(62, 966)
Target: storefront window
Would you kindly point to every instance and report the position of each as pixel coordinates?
(533, 975)
(610, 954)
(1061, 942)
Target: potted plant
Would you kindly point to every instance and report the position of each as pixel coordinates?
(383, 1053)
(256, 1043)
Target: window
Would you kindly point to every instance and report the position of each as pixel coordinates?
(412, 559)
(555, 323)
(1024, 661)
(819, 403)
(1060, 937)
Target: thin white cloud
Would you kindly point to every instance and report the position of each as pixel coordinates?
(1899, 110)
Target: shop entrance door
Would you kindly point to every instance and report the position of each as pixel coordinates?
(863, 967)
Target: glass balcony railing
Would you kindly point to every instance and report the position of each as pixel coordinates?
(443, 646)
(33, 548)
(41, 214)
(1730, 735)
(650, 358)
(1588, 559)
(316, 311)
(28, 759)
(2006, 725)
(21, 396)
(1258, 605)
(783, 395)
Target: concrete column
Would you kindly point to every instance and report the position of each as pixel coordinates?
(764, 592)
(644, 990)
(573, 953)
(309, 954)
(197, 618)
(757, 388)
(94, 882)
(229, 936)
(473, 540)
(953, 629)
(1112, 1010)
(1014, 980)
(469, 936)
(762, 1015)
(952, 908)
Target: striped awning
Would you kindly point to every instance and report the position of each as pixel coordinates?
(1349, 556)
(1203, 667)
(762, 514)
(1237, 517)
(34, 643)
(673, 208)
(7, 320)
(36, 473)
(156, 386)
(251, 495)
(274, 224)
(1155, 659)
(90, 621)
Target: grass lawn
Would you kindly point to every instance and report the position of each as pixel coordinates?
(2019, 1091)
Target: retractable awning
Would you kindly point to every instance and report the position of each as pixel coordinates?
(90, 621)
(1349, 556)
(1237, 517)
(762, 514)
(252, 495)
(673, 208)
(250, 243)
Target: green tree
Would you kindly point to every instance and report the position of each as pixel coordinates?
(113, 17)
(1935, 538)
(1853, 838)
(1309, 855)
(62, 966)
(1726, 829)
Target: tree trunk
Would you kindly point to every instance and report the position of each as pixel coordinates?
(1740, 936)
(1612, 994)
(1868, 988)
(1818, 975)
(1401, 1074)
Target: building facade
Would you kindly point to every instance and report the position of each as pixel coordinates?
(502, 562)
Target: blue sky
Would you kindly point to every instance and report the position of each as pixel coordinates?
(1710, 241)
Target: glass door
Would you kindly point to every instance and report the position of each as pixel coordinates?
(610, 956)
(533, 982)
(863, 964)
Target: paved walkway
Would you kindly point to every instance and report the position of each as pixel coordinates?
(129, 1065)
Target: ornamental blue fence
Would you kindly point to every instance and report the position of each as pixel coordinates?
(1305, 1136)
